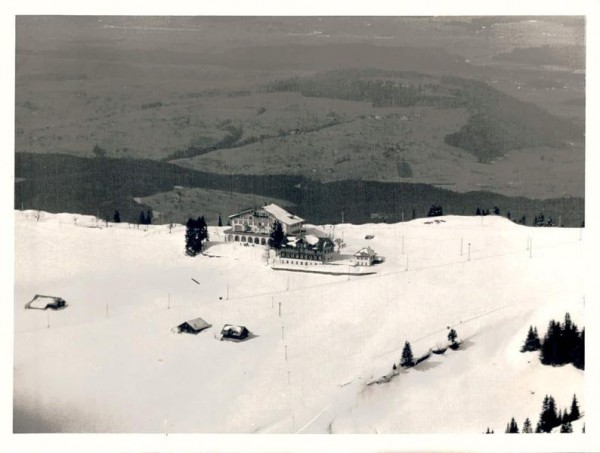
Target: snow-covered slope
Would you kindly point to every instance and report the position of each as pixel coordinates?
(111, 363)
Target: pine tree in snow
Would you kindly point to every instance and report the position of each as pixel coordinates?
(548, 416)
(196, 233)
(512, 427)
(277, 236)
(407, 359)
(575, 414)
(532, 342)
(452, 336)
(527, 426)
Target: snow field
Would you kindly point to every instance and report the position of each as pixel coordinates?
(110, 363)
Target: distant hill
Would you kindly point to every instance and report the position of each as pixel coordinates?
(62, 183)
(572, 57)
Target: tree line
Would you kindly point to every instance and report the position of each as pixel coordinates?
(549, 419)
(562, 344)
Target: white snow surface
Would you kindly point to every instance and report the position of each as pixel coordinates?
(109, 362)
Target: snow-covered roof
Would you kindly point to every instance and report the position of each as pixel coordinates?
(311, 239)
(198, 324)
(241, 212)
(365, 251)
(282, 215)
(42, 301)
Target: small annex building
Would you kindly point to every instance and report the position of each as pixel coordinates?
(193, 326)
(254, 225)
(364, 257)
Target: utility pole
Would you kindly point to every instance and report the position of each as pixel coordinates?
(286, 356)
(469, 250)
(530, 247)
(280, 309)
(282, 337)
(406, 270)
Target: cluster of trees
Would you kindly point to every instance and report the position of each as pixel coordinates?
(549, 419)
(196, 234)
(380, 92)
(407, 359)
(496, 211)
(562, 344)
(435, 210)
(145, 218)
(540, 220)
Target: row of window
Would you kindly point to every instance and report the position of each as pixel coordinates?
(305, 263)
(300, 257)
(250, 239)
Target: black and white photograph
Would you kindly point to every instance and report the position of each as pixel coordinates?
(301, 224)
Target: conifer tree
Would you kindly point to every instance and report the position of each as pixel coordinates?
(142, 219)
(195, 234)
(452, 336)
(532, 342)
(548, 416)
(512, 427)
(203, 229)
(575, 414)
(549, 353)
(277, 236)
(407, 359)
(117, 217)
(579, 352)
(149, 217)
(527, 426)
(219, 221)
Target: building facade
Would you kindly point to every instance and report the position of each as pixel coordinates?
(364, 257)
(309, 250)
(254, 225)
